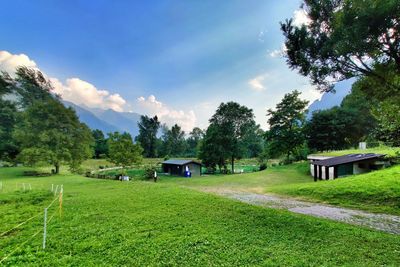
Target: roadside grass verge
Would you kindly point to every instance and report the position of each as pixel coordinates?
(142, 223)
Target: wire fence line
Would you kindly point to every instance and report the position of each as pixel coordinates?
(46, 221)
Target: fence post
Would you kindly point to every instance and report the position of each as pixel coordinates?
(60, 200)
(44, 228)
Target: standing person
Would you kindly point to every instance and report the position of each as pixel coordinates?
(155, 176)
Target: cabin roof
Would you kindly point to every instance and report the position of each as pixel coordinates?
(180, 162)
(350, 158)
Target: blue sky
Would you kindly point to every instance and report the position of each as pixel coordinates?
(178, 59)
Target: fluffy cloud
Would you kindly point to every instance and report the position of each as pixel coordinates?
(9, 62)
(82, 92)
(300, 18)
(151, 106)
(257, 83)
(74, 89)
(278, 52)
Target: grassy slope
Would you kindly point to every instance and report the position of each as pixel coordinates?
(141, 223)
(256, 181)
(389, 151)
(377, 191)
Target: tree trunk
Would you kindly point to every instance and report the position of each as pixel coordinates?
(57, 166)
(233, 165)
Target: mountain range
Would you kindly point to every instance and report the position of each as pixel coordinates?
(111, 121)
(107, 120)
(331, 99)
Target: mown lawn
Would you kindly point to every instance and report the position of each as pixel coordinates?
(389, 151)
(255, 181)
(377, 191)
(141, 223)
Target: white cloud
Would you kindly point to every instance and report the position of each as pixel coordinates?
(82, 92)
(275, 53)
(300, 18)
(151, 106)
(74, 89)
(310, 93)
(278, 52)
(257, 83)
(9, 62)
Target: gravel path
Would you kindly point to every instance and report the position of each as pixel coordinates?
(383, 222)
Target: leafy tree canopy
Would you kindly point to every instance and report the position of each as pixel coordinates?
(100, 144)
(286, 122)
(148, 129)
(346, 38)
(229, 128)
(122, 151)
(174, 143)
(51, 133)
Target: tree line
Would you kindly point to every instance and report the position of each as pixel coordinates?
(342, 40)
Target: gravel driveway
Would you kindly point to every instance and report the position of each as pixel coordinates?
(382, 222)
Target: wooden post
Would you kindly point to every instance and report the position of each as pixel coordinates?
(320, 172)
(326, 173)
(44, 228)
(315, 172)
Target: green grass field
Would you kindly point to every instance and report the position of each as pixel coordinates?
(115, 223)
(377, 191)
(389, 151)
(255, 182)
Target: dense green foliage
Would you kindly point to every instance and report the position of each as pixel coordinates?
(193, 141)
(286, 125)
(8, 117)
(329, 129)
(148, 129)
(140, 223)
(346, 38)
(228, 135)
(122, 151)
(173, 141)
(37, 126)
(100, 144)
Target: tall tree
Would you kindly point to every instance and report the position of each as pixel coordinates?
(286, 124)
(8, 118)
(174, 143)
(331, 129)
(31, 86)
(122, 151)
(230, 126)
(49, 132)
(211, 151)
(148, 129)
(195, 136)
(100, 144)
(346, 38)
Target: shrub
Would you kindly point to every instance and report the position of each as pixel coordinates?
(149, 172)
(210, 170)
(263, 166)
